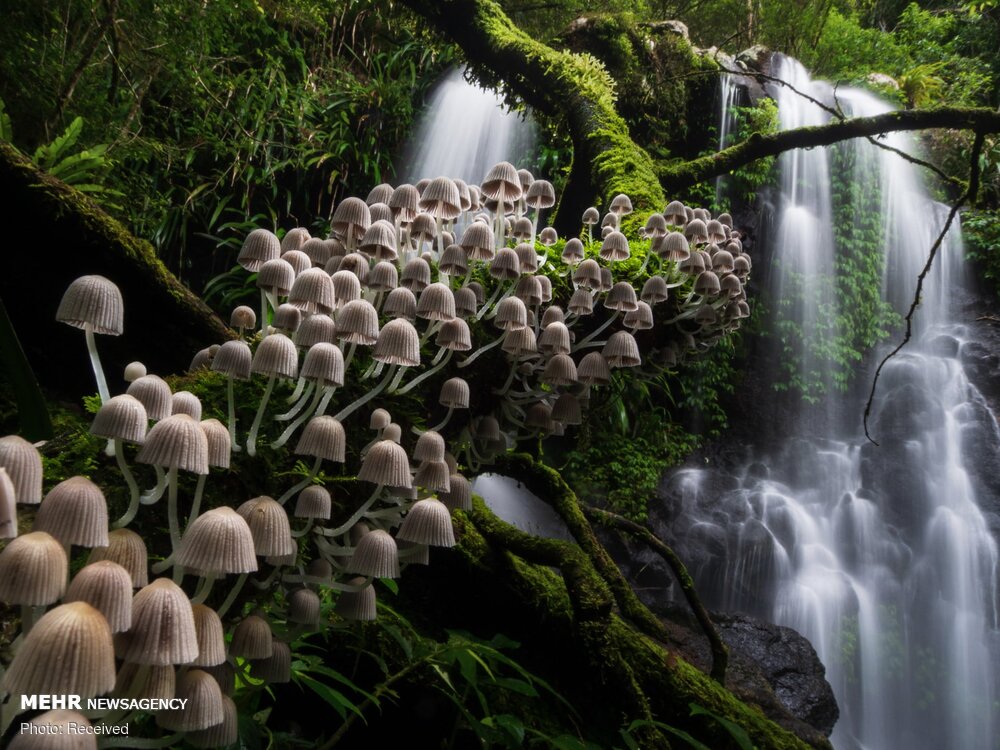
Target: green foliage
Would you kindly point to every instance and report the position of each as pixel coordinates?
(982, 234)
(760, 119)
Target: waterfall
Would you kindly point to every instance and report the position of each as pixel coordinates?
(880, 555)
(464, 131)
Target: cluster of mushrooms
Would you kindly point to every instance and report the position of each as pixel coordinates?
(398, 290)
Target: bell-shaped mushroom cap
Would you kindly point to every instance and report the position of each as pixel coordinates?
(128, 549)
(527, 259)
(675, 214)
(298, 260)
(566, 409)
(459, 494)
(106, 586)
(702, 213)
(433, 475)
(392, 432)
(324, 365)
(312, 292)
(594, 370)
(581, 302)
(303, 607)
(404, 202)
(233, 359)
(454, 334)
(314, 502)
(722, 262)
(379, 241)
(23, 463)
(621, 297)
(488, 429)
(502, 180)
(346, 288)
(610, 222)
(708, 284)
(706, 315)
(317, 250)
(548, 236)
(379, 420)
(386, 464)
(276, 668)
(416, 275)
(725, 219)
(381, 193)
(529, 290)
(591, 216)
(323, 437)
(375, 555)
(423, 228)
(519, 342)
(741, 265)
(398, 344)
(621, 204)
(511, 314)
(211, 637)
(693, 265)
(225, 675)
(560, 370)
(357, 323)
(436, 303)
(505, 265)
(351, 218)
(478, 242)
(555, 338)
(696, 231)
(93, 301)
(178, 442)
(621, 350)
(222, 734)
(316, 329)
(615, 247)
(162, 626)
(640, 319)
(357, 605)
(203, 358)
(541, 194)
(716, 232)
(429, 447)
(75, 512)
(400, 303)
(154, 393)
(260, 246)
(441, 199)
(294, 239)
(219, 445)
(276, 355)
(203, 707)
(428, 522)
(69, 651)
(465, 302)
(8, 506)
(521, 229)
(185, 402)
(454, 393)
(553, 314)
(356, 263)
(674, 246)
(145, 681)
(252, 639)
(588, 274)
(33, 570)
(656, 226)
(122, 417)
(242, 317)
(55, 730)
(572, 252)
(276, 276)
(384, 277)
(539, 416)
(218, 542)
(655, 290)
(268, 522)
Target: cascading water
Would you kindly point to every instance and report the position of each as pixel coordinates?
(879, 555)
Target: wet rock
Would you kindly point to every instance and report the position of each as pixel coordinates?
(670, 26)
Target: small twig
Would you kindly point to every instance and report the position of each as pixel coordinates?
(968, 196)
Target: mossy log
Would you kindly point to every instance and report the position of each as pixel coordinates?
(56, 234)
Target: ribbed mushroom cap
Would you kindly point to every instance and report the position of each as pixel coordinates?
(527, 259)
(383, 277)
(93, 301)
(441, 199)
(726, 220)
(398, 344)
(145, 681)
(696, 231)
(275, 669)
(122, 417)
(162, 626)
(529, 290)
(722, 262)
(428, 522)
(268, 522)
(656, 226)
(23, 463)
(607, 281)
(744, 308)
(69, 651)
(375, 555)
(572, 252)
(242, 317)
(693, 265)
(218, 542)
(708, 284)
(566, 409)
(615, 247)
(465, 302)
(379, 241)
(429, 447)
(287, 318)
(591, 216)
(655, 290)
(312, 292)
(502, 180)
(741, 265)
(276, 355)
(541, 194)
(225, 675)
(706, 315)
(381, 193)
(731, 285)
(356, 263)
(400, 303)
(204, 706)
(548, 236)
(716, 232)
(459, 494)
(294, 239)
(594, 370)
(511, 314)
(303, 607)
(380, 419)
(223, 734)
(702, 214)
(621, 297)
(324, 365)
(233, 359)
(404, 202)
(55, 730)
(314, 502)
(357, 605)
(505, 265)
(423, 228)
(555, 338)
(454, 393)
(107, 587)
(621, 350)
(8, 506)
(546, 284)
(581, 302)
(178, 442)
(392, 432)
(621, 204)
(453, 260)
(432, 475)
(316, 329)
(346, 288)
(185, 402)
(675, 214)
(553, 314)
(488, 429)
(252, 639)
(128, 549)
(33, 570)
(478, 290)
(203, 358)
(521, 229)
(323, 437)
(478, 241)
(357, 323)
(539, 416)
(610, 220)
(259, 246)
(437, 302)
(75, 512)
(276, 276)
(211, 637)
(298, 260)
(640, 319)
(386, 464)
(351, 218)
(588, 274)
(454, 334)
(519, 342)
(416, 275)
(560, 370)
(317, 250)
(673, 246)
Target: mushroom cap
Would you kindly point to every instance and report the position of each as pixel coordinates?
(381, 193)
(268, 522)
(375, 555)
(725, 219)
(159, 682)
(553, 314)
(432, 475)
(218, 542)
(640, 319)
(655, 290)
(75, 512)
(324, 365)
(404, 202)
(106, 586)
(529, 290)
(203, 358)
(555, 338)
(122, 417)
(225, 675)
(454, 334)
(277, 276)
(304, 607)
(459, 494)
(93, 301)
(692, 265)
(454, 393)
(346, 288)
(441, 199)
(621, 204)
(386, 464)
(379, 240)
(511, 314)
(54, 733)
(696, 231)
(220, 446)
(722, 262)
(211, 636)
(252, 639)
(379, 420)
(185, 402)
(428, 522)
(400, 303)
(162, 626)
(519, 342)
(594, 370)
(588, 274)
(259, 246)
(276, 355)
(357, 323)
(356, 263)
(383, 277)
(323, 437)
(478, 241)
(621, 297)
(398, 344)
(392, 432)
(526, 257)
(541, 194)
(560, 370)
(572, 252)
(548, 236)
(242, 317)
(423, 228)
(429, 447)
(615, 247)
(8, 506)
(312, 292)
(154, 393)
(521, 229)
(204, 706)
(23, 463)
(488, 429)
(416, 275)
(539, 416)
(352, 217)
(294, 239)
(128, 549)
(69, 651)
(33, 570)
(708, 284)
(566, 409)
(357, 605)
(465, 302)
(314, 502)
(223, 734)
(437, 302)
(656, 225)
(318, 251)
(298, 260)
(621, 350)
(675, 214)
(673, 246)
(177, 442)
(277, 667)
(716, 232)
(581, 302)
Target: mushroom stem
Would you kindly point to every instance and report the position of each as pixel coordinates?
(263, 315)
(349, 357)
(95, 362)
(341, 415)
(204, 589)
(300, 402)
(255, 427)
(440, 425)
(304, 530)
(418, 380)
(597, 332)
(510, 379)
(357, 515)
(175, 531)
(231, 406)
(231, 597)
(304, 483)
(397, 378)
(199, 492)
(299, 387)
(329, 583)
(148, 498)
(325, 402)
(133, 487)
(290, 430)
(472, 357)
(488, 305)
